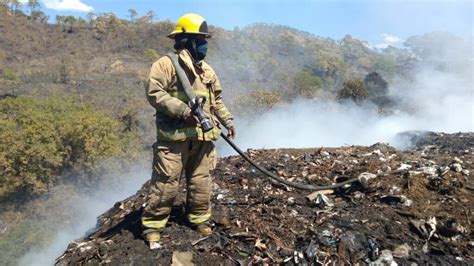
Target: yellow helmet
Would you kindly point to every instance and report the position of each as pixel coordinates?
(190, 23)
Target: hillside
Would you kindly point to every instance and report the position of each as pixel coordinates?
(421, 216)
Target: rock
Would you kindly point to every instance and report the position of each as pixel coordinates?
(465, 172)
(402, 251)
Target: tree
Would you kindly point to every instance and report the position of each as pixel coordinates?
(91, 16)
(306, 84)
(69, 22)
(15, 5)
(34, 5)
(151, 14)
(375, 84)
(133, 14)
(353, 89)
(59, 20)
(39, 16)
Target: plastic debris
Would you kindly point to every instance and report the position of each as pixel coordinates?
(402, 251)
(364, 178)
(456, 167)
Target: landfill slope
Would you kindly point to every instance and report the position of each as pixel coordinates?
(422, 215)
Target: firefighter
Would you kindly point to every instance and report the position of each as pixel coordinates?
(181, 145)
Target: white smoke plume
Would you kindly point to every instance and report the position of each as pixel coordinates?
(85, 208)
(434, 99)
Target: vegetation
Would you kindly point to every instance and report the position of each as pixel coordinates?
(46, 138)
(353, 89)
(9, 74)
(306, 84)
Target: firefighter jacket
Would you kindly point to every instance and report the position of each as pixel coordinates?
(166, 94)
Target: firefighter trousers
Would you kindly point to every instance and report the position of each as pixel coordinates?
(171, 158)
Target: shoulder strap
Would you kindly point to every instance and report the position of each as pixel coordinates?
(188, 90)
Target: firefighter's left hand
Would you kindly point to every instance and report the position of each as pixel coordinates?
(231, 132)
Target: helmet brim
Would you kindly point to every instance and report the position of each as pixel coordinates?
(176, 32)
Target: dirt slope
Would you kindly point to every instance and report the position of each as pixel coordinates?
(421, 216)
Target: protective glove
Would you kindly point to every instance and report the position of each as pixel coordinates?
(231, 132)
(189, 118)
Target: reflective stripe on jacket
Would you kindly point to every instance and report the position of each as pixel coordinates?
(165, 93)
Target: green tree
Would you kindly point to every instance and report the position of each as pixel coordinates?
(15, 6)
(133, 14)
(353, 89)
(33, 5)
(306, 84)
(151, 15)
(39, 16)
(42, 139)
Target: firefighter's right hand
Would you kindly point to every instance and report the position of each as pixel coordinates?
(231, 132)
(189, 118)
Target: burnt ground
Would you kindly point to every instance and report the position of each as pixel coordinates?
(422, 215)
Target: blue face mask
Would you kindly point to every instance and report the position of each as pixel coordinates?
(197, 48)
(201, 49)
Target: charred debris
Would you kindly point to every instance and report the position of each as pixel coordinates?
(421, 215)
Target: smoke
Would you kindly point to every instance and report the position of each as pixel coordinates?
(437, 96)
(84, 209)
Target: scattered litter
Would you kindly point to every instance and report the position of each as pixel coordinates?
(396, 199)
(322, 201)
(385, 258)
(456, 167)
(259, 222)
(364, 178)
(402, 251)
(404, 167)
(154, 245)
(182, 259)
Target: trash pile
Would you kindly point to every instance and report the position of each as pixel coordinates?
(421, 214)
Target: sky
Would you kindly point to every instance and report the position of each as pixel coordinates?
(380, 22)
